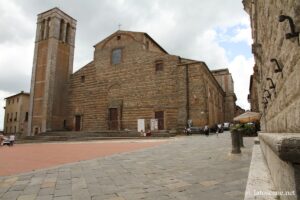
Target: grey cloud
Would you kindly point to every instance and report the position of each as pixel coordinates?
(174, 24)
(14, 83)
(98, 19)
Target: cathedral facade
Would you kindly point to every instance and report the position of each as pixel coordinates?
(131, 77)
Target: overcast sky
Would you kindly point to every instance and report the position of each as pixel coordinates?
(216, 32)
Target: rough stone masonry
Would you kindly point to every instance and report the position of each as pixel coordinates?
(276, 81)
(131, 77)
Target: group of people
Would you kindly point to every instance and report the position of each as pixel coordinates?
(219, 129)
(7, 140)
(147, 133)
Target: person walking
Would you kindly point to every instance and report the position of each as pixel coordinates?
(206, 130)
(219, 128)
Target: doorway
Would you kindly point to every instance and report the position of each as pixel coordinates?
(36, 130)
(77, 123)
(113, 119)
(159, 115)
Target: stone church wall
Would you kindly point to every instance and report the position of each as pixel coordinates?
(135, 84)
(83, 99)
(137, 90)
(142, 81)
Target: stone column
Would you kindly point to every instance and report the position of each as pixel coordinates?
(235, 140)
(64, 32)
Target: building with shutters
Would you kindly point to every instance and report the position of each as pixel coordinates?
(131, 77)
(16, 113)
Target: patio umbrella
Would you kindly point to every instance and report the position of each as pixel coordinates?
(248, 117)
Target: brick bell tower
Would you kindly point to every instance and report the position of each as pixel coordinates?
(52, 67)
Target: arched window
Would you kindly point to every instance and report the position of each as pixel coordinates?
(42, 29)
(116, 56)
(47, 28)
(61, 30)
(67, 33)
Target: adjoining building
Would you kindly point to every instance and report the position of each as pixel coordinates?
(131, 77)
(224, 78)
(16, 113)
(239, 111)
(276, 83)
(253, 97)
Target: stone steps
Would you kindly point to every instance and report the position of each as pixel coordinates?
(86, 136)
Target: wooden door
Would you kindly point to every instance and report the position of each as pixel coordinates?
(113, 119)
(159, 115)
(77, 123)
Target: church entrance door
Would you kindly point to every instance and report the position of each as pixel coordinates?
(77, 123)
(113, 119)
(160, 117)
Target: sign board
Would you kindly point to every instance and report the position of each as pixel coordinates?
(190, 123)
(153, 124)
(141, 125)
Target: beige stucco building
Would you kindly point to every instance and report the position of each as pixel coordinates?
(16, 113)
(131, 77)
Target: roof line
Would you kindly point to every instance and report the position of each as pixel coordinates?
(146, 34)
(122, 31)
(59, 10)
(20, 93)
(206, 67)
(83, 67)
(222, 69)
(214, 78)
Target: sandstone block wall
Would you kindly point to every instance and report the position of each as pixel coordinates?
(52, 66)
(281, 112)
(224, 78)
(137, 90)
(253, 93)
(148, 82)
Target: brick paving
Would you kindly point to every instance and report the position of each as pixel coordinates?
(192, 168)
(28, 157)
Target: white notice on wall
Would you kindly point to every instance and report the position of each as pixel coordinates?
(153, 124)
(141, 125)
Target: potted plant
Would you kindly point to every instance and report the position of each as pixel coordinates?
(249, 129)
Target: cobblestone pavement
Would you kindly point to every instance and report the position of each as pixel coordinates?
(193, 167)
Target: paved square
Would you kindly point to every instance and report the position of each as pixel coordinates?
(28, 157)
(194, 167)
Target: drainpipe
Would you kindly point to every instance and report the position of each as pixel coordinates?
(187, 93)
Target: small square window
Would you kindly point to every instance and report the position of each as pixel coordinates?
(116, 56)
(119, 37)
(159, 65)
(82, 79)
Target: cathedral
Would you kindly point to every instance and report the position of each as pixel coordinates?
(130, 78)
